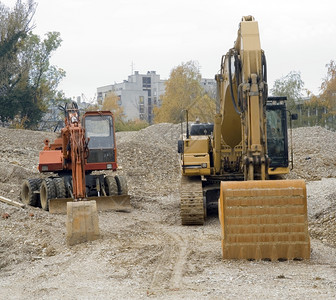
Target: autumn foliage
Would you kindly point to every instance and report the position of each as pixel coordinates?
(111, 103)
(184, 91)
(324, 104)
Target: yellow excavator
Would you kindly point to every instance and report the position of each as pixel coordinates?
(241, 162)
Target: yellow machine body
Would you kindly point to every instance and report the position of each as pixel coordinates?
(264, 219)
(196, 158)
(261, 216)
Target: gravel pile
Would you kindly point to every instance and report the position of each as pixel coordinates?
(322, 210)
(150, 162)
(147, 253)
(315, 161)
(149, 159)
(19, 155)
(314, 153)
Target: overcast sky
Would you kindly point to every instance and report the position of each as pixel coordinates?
(102, 38)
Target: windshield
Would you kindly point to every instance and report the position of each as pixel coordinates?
(201, 129)
(99, 129)
(277, 137)
(97, 126)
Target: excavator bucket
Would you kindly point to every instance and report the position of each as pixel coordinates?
(82, 222)
(104, 203)
(264, 220)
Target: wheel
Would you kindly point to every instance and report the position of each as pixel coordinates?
(111, 186)
(29, 186)
(38, 185)
(47, 192)
(60, 187)
(122, 184)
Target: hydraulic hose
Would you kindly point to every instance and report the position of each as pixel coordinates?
(238, 75)
(264, 66)
(231, 84)
(264, 76)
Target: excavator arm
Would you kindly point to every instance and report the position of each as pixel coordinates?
(82, 215)
(242, 86)
(76, 150)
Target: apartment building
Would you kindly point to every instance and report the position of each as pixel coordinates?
(141, 93)
(138, 95)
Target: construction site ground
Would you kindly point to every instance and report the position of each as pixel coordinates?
(146, 253)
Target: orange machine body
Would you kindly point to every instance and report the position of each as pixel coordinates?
(52, 156)
(71, 151)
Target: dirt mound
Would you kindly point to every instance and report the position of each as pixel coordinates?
(19, 154)
(315, 161)
(149, 159)
(314, 153)
(147, 253)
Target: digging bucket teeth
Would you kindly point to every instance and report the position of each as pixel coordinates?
(104, 203)
(264, 220)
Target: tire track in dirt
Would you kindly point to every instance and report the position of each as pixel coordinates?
(168, 273)
(176, 279)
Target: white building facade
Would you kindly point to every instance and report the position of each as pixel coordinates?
(141, 93)
(138, 95)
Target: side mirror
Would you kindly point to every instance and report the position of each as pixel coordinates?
(294, 116)
(180, 146)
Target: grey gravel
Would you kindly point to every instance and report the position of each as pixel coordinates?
(147, 253)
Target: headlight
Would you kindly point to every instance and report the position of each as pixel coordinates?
(109, 166)
(204, 165)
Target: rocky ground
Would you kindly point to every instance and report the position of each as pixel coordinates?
(146, 253)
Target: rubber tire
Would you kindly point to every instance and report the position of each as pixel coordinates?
(27, 191)
(111, 186)
(38, 185)
(47, 192)
(60, 187)
(122, 184)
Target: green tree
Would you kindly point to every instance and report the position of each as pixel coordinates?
(28, 82)
(291, 86)
(184, 91)
(15, 25)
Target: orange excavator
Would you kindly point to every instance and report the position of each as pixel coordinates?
(74, 188)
